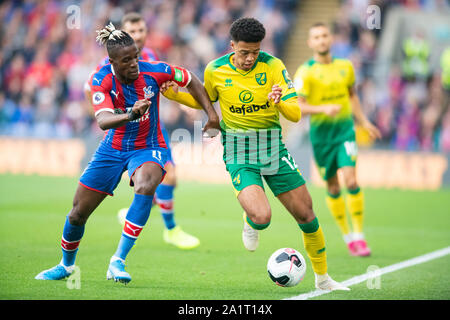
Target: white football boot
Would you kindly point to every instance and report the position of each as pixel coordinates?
(324, 282)
(250, 236)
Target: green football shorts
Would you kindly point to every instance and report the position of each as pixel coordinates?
(281, 176)
(331, 157)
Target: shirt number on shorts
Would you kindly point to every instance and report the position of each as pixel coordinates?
(351, 148)
(157, 154)
(288, 160)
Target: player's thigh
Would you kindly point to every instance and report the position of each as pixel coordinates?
(146, 169)
(333, 186)
(299, 204)
(254, 201)
(346, 159)
(249, 190)
(349, 174)
(170, 178)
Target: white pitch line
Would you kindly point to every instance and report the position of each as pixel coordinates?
(376, 273)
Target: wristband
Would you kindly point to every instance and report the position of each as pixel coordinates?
(132, 115)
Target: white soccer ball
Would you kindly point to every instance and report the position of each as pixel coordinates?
(121, 215)
(286, 267)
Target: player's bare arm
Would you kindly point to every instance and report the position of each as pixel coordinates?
(108, 120)
(329, 109)
(197, 90)
(360, 116)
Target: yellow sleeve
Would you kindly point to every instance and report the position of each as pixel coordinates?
(301, 81)
(182, 97)
(290, 109)
(288, 105)
(281, 78)
(209, 84)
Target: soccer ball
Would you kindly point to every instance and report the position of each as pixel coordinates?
(121, 215)
(286, 267)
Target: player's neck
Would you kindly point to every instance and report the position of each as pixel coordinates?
(323, 58)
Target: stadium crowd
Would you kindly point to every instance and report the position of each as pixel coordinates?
(48, 50)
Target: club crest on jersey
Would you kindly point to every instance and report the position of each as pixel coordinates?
(98, 98)
(261, 78)
(148, 93)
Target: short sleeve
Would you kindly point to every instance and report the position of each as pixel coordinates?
(209, 84)
(301, 81)
(101, 99)
(282, 79)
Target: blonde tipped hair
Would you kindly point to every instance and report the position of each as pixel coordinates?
(112, 38)
(109, 32)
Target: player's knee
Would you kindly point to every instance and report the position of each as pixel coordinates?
(351, 184)
(76, 216)
(262, 217)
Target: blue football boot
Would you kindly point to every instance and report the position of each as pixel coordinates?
(58, 272)
(116, 272)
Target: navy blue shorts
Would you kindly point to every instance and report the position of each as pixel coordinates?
(104, 171)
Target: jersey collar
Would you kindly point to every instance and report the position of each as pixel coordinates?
(242, 72)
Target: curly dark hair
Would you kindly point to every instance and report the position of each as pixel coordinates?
(247, 30)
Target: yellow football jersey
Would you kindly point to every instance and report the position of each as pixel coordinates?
(243, 95)
(328, 83)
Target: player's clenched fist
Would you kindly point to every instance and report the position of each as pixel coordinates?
(139, 108)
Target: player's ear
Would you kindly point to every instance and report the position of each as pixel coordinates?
(232, 45)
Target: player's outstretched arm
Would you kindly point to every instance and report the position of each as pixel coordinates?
(108, 120)
(328, 109)
(170, 90)
(360, 117)
(198, 91)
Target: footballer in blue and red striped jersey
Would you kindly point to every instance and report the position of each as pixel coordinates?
(108, 94)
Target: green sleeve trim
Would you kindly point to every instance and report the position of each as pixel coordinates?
(290, 95)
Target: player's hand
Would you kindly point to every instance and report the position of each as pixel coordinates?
(331, 110)
(373, 131)
(275, 94)
(211, 128)
(166, 85)
(139, 108)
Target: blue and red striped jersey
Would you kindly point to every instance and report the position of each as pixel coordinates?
(109, 95)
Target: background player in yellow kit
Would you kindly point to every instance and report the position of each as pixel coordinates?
(253, 88)
(325, 86)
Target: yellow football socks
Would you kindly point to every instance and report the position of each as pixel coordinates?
(336, 205)
(355, 203)
(314, 243)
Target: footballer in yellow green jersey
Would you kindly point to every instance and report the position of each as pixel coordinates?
(253, 88)
(325, 86)
(243, 94)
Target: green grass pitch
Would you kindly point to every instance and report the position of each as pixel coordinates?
(399, 225)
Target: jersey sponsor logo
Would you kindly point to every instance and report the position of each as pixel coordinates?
(246, 96)
(98, 81)
(261, 78)
(250, 108)
(98, 97)
(228, 83)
